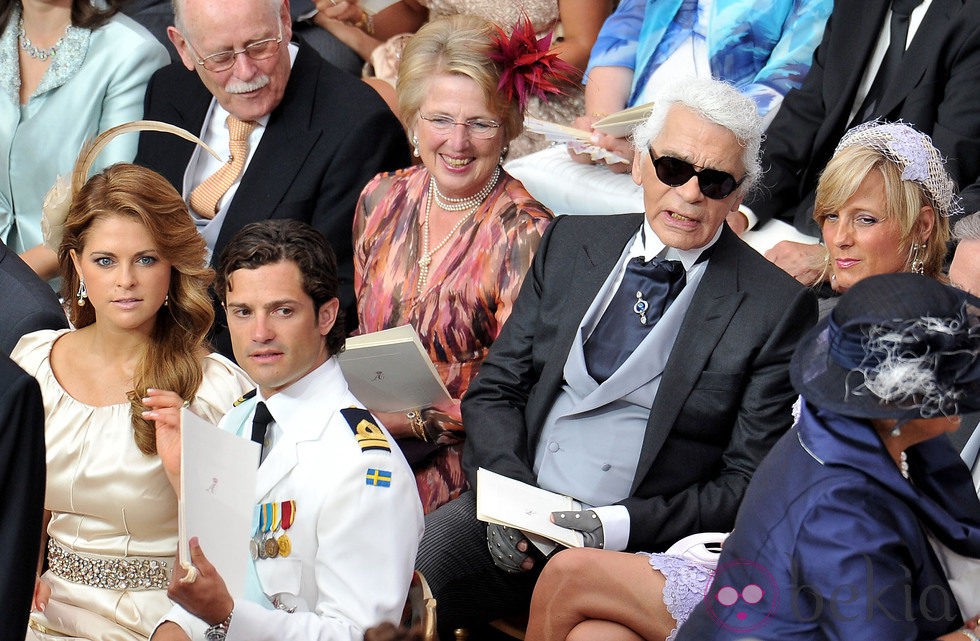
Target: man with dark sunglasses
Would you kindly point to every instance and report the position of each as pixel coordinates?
(643, 370)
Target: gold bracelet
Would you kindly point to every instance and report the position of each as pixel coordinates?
(366, 23)
(418, 424)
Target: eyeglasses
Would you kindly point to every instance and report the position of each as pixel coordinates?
(482, 129)
(714, 184)
(225, 60)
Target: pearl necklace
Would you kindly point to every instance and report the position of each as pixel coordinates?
(34, 51)
(426, 259)
(461, 204)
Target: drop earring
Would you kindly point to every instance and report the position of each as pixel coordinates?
(82, 292)
(503, 154)
(415, 143)
(916, 264)
(166, 299)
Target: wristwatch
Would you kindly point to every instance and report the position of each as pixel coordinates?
(219, 631)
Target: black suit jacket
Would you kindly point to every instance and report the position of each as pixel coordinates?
(724, 397)
(27, 303)
(327, 138)
(936, 92)
(22, 477)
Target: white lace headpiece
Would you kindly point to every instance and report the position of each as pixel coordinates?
(914, 152)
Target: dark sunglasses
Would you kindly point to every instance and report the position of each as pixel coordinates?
(675, 172)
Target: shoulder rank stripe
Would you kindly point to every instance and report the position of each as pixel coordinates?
(369, 436)
(377, 477)
(245, 397)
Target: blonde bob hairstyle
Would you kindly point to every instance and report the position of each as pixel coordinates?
(903, 200)
(172, 360)
(458, 44)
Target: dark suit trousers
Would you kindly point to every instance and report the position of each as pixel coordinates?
(468, 587)
(22, 476)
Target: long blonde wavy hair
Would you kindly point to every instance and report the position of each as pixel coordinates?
(172, 360)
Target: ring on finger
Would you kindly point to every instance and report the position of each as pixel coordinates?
(191, 575)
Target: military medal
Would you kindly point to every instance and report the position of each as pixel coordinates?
(271, 545)
(253, 546)
(265, 521)
(287, 510)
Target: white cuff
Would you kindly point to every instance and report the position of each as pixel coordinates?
(750, 216)
(192, 626)
(615, 526)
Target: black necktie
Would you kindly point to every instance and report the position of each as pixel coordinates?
(891, 64)
(260, 423)
(646, 292)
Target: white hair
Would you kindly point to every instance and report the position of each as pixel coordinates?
(718, 102)
(968, 228)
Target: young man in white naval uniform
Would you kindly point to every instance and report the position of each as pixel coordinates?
(329, 472)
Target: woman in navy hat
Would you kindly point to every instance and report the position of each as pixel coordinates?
(863, 522)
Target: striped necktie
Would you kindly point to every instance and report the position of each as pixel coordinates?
(206, 196)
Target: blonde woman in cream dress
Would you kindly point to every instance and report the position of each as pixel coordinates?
(135, 284)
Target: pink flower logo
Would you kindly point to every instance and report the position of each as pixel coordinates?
(742, 597)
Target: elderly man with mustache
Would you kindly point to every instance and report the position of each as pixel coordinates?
(301, 136)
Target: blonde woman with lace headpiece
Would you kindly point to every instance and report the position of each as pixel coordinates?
(883, 205)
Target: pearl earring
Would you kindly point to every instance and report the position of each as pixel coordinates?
(415, 143)
(82, 292)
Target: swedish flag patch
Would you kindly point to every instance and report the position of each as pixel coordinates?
(369, 436)
(378, 477)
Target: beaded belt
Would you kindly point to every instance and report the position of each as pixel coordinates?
(112, 573)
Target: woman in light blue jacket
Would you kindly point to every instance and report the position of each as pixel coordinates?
(69, 69)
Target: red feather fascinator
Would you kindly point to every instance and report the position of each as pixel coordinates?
(529, 67)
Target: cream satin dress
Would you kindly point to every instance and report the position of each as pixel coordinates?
(107, 499)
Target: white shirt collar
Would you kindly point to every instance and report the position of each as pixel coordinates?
(302, 401)
(648, 245)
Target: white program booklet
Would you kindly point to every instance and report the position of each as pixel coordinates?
(622, 123)
(217, 496)
(390, 371)
(503, 500)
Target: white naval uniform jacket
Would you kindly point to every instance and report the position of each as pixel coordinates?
(354, 537)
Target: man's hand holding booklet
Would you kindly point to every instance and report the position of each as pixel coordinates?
(503, 500)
